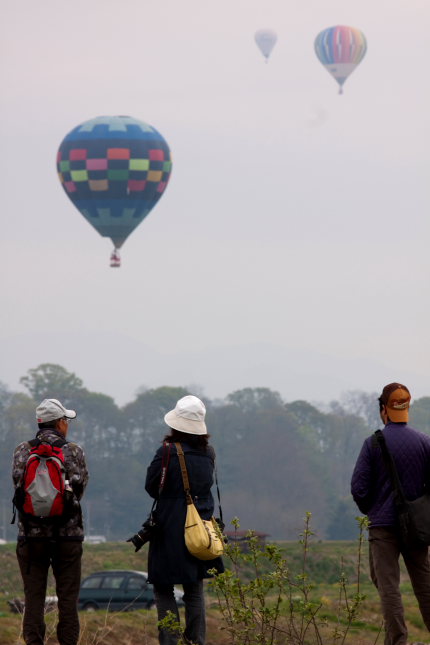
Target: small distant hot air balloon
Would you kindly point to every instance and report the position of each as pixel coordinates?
(340, 49)
(114, 169)
(266, 40)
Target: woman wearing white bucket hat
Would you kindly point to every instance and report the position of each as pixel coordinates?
(169, 561)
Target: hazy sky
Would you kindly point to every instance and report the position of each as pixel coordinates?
(290, 249)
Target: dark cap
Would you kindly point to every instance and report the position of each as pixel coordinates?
(396, 397)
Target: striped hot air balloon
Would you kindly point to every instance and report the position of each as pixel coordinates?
(340, 49)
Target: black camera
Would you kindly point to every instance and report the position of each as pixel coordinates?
(145, 534)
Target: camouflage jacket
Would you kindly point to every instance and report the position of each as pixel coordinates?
(76, 473)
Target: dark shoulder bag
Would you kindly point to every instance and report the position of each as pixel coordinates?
(413, 516)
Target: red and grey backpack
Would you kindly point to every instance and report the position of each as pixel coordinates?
(42, 494)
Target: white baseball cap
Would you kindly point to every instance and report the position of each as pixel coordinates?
(51, 410)
(188, 416)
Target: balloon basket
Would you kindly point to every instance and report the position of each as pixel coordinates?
(115, 259)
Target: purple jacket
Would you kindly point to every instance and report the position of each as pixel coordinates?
(371, 484)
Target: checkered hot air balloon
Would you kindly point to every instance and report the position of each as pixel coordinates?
(340, 49)
(114, 169)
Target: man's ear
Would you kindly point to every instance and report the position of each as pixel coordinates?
(61, 426)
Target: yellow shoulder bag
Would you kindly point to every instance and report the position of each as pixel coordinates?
(203, 538)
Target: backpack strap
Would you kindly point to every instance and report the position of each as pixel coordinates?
(33, 443)
(59, 443)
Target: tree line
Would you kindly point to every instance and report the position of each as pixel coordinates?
(275, 459)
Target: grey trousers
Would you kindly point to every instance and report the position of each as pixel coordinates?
(385, 549)
(195, 615)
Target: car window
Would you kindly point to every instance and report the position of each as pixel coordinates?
(136, 582)
(92, 583)
(112, 582)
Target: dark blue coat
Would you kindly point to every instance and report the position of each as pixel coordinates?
(371, 484)
(169, 561)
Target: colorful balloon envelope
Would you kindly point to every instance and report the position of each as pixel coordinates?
(114, 169)
(266, 40)
(340, 49)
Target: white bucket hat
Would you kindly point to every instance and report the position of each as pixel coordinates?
(51, 410)
(188, 416)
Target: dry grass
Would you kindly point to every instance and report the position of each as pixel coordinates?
(140, 627)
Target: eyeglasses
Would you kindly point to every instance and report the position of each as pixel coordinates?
(66, 419)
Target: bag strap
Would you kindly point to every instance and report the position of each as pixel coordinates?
(186, 481)
(164, 466)
(399, 495)
(184, 473)
(217, 490)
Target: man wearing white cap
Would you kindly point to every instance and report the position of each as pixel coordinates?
(55, 540)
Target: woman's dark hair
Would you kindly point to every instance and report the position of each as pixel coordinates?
(199, 441)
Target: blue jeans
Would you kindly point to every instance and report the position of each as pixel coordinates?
(195, 615)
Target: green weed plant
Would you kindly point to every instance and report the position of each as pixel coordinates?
(263, 602)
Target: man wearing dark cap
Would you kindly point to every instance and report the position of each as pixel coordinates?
(55, 541)
(372, 491)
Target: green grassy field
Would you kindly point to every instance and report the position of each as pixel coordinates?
(139, 627)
